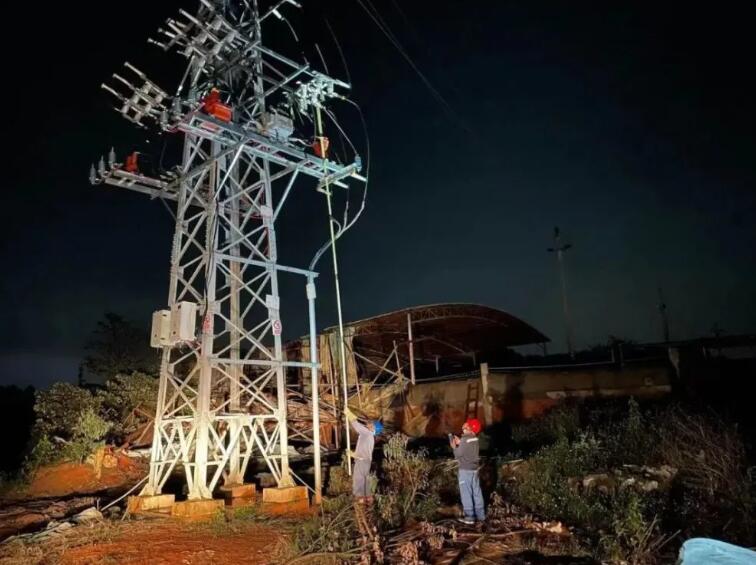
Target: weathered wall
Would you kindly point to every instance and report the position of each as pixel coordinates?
(437, 408)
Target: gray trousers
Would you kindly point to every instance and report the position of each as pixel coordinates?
(361, 478)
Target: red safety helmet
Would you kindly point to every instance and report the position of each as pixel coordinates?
(474, 425)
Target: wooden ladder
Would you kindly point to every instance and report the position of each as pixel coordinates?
(473, 397)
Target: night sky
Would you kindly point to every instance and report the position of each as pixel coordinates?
(631, 127)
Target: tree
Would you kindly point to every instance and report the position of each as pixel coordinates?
(58, 424)
(118, 347)
(126, 401)
(59, 409)
(72, 422)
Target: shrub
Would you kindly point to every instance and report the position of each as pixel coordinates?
(42, 453)
(407, 492)
(716, 491)
(68, 426)
(633, 537)
(89, 435)
(58, 432)
(632, 438)
(332, 531)
(621, 521)
(713, 492)
(58, 410)
(546, 489)
(71, 423)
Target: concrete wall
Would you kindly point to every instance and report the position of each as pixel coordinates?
(437, 408)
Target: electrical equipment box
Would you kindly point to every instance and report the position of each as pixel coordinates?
(183, 321)
(320, 146)
(161, 329)
(277, 126)
(212, 105)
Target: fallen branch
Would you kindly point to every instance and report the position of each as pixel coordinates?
(341, 555)
(495, 536)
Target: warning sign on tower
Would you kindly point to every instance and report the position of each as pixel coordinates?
(277, 327)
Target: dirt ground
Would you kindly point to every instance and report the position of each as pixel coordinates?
(175, 543)
(58, 491)
(153, 542)
(171, 542)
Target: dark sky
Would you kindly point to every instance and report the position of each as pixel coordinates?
(630, 126)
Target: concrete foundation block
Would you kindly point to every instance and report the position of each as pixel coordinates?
(285, 494)
(197, 509)
(150, 503)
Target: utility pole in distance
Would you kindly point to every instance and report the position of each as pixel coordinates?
(664, 317)
(559, 249)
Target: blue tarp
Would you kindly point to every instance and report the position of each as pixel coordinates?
(703, 551)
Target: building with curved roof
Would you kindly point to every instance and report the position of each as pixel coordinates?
(445, 338)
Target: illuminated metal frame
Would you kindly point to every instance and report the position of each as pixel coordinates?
(222, 396)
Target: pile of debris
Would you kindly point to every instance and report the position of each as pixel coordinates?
(509, 534)
(639, 478)
(57, 523)
(59, 491)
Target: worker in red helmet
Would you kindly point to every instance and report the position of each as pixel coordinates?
(466, 452)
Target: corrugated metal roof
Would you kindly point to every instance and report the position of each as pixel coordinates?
(470, 327)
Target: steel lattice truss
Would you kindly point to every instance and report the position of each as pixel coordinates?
(222, 395)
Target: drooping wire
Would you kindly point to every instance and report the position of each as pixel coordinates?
(342, 138)
(161, 169)
(322, 59)
(367, 163)
(349, 80)
(291, 28)
(338, 126)
(345, 226)
(383, 27)
(359, 110)
(338, 48)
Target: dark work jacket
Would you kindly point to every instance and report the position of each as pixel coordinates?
(467, 452)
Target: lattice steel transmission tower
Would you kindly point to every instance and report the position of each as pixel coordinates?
(222, 395)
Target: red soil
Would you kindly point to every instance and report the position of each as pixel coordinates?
(66, 479)
(175, 543)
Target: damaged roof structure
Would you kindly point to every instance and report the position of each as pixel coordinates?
(385, 353)
(424, 370)
(437, 339)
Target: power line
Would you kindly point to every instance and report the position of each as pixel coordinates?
(379, 22)
(559, 249)
(338, 48)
